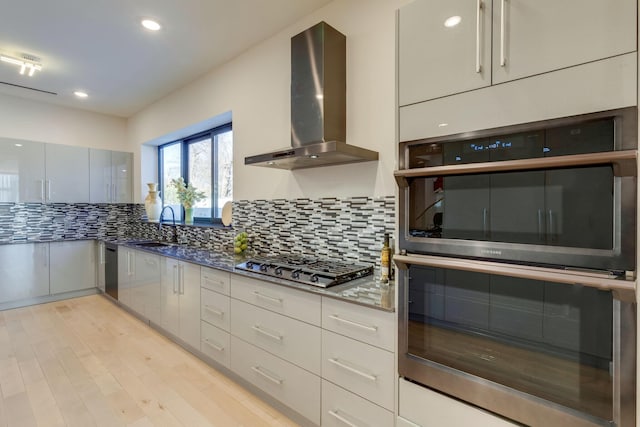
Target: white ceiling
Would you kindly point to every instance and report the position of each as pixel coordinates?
(100, 47)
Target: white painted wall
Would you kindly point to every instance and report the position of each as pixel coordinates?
(255, 88)
(37, 121)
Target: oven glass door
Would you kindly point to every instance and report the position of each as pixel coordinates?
(568, 207)
(549, 340)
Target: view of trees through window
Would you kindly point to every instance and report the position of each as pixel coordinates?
(206, 162)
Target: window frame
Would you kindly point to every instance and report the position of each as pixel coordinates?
(184, 168)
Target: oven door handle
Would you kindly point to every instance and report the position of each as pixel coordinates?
(624, 164)
(624, 290)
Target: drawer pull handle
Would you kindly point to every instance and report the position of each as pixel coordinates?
(218, 283)
(214, 311)
(352, 323)
(267, 297)
(342, 419)
(213, 345)
(271, 378)
(337, 362)
(257, 328)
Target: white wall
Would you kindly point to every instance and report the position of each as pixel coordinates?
(255, 88)
(37, 121)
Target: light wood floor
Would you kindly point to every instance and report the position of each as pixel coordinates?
(85, 362)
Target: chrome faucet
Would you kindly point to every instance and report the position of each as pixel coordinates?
(173, 217)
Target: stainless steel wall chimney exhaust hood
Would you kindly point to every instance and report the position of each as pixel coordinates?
(318, 105)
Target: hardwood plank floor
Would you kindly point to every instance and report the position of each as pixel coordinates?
(85, 362)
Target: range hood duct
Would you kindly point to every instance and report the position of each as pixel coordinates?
(318, 105)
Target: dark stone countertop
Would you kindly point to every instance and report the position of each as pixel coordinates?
(366, 291)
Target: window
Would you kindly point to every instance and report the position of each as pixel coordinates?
(206, 161)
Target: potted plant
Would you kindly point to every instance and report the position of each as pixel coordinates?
(188, 195)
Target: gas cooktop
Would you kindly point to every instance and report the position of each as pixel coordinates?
(308, 270)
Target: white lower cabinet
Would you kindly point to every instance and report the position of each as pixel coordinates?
(145, 287)
(294, 341)
(215, 343)
(180, 300)
(284, 381)
(73, 266)
(100, 273)
(215, 309)
(420, 406)
(24, 271)
(363, 369)
(341, 408)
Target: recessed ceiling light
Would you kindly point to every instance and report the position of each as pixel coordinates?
(80, 94)
(441, 125)
(18, 145)
(313, 156)
(150, 24)
(452, 21)
(271, 163)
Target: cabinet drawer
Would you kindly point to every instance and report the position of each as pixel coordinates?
(215, 280)
(215, 343)
(364, 324)
(290, 302)
(293, 386)
(292, 340)
(363, 369)
(424, 407)
(340, 408)
(215, 309)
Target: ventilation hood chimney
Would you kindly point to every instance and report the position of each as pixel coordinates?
(318, 105)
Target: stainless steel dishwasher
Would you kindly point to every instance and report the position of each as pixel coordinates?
(111, 270)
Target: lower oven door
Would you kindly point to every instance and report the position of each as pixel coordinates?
(527, 343)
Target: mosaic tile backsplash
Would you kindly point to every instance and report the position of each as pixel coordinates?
(346, 229)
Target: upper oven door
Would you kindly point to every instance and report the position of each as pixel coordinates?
(560, 193)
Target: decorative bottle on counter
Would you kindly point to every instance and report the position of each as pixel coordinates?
(153, 203)
(385, 259)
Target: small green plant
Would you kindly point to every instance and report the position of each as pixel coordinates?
(188, 195)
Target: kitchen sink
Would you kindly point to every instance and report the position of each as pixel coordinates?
(151, 244)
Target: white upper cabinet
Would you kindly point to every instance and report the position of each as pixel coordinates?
(537, 36)
(110, 176)
(435, 60)
(122, 177)
(503, 40)
(22, 177)
(67, 170)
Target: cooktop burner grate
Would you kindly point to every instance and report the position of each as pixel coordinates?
(305, 269)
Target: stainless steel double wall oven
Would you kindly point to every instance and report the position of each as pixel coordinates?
(517, 268)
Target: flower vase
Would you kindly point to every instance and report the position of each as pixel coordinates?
(153, 203)
(188, 215)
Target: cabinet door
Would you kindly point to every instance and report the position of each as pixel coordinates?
(100, 274)
(73, 266)
(122, 177)
(435, 60)
(67, 170)
(169, 296)
(537, 36)
(126, 265)
(189, 291)
(146, 286)
(24, 271)
(21, 171)
(100, 176)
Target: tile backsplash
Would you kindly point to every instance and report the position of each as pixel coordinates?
(346, 229)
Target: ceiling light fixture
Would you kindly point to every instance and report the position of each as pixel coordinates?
(25, 64)
(80, 94)
(452, 21)
(150, 24)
